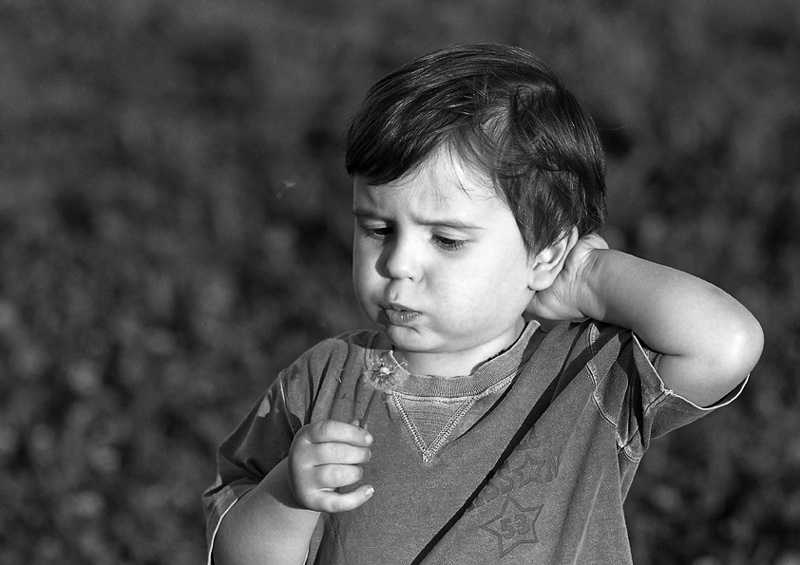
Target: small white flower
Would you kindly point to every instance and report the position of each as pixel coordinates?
(383, 375)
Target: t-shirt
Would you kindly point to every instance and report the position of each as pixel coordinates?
(528, 459)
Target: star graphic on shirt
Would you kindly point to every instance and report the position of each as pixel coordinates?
(514, 525)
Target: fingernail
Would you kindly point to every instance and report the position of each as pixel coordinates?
(368, 438)
(370, 491)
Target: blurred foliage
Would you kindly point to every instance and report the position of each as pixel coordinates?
(174, 229)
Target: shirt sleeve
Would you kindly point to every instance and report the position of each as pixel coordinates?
(257, 445)
(633, 396)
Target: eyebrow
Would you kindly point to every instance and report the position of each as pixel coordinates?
(439, 222)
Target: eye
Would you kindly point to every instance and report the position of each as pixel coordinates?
(376, 231)
(449, 244)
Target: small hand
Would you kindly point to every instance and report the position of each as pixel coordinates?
(568, 296)
(326, 455)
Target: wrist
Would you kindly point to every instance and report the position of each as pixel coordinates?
(591, 285)
(280, 485)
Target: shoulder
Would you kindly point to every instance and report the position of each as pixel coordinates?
(340, 345)
(594, 337)
(600, 348)
(324, 381)
(330, 356)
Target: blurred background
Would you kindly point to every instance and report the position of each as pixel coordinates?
(174, 229)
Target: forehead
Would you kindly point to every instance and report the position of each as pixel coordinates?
(441, 181)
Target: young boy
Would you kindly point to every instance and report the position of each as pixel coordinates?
(478, 186)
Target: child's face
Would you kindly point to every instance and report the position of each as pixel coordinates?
(439, 263)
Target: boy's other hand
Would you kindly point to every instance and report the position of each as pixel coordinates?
(568, 298)
(326, 455)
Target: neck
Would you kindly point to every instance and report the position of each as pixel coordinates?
(459, 362)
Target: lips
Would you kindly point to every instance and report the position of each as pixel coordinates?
(399, 315)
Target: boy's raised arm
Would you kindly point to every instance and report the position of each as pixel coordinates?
(709, 341)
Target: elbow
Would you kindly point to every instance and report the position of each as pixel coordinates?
(744, 343)
(719, 362)
(748, 344)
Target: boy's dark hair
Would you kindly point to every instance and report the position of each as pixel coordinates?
(499, 108)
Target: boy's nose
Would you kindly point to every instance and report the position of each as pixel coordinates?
(402, 260)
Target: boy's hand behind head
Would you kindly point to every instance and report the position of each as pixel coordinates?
(326, 455)
(567, 298)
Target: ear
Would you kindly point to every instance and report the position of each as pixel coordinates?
(549, 262)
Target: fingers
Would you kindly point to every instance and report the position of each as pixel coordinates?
(333, 431)
(570, 241)
(329, 441)
(324, 456)
(341, 453)
(336, 475)
(327, 501)
(595, 241)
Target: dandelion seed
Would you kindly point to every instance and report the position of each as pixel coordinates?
(285, 185)
(383, 375)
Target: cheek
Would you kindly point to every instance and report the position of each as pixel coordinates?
(364, 274)
(361, 288)
(500, 284)
(359, 272)
(359, 255)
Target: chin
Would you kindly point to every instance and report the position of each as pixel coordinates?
(407, 339)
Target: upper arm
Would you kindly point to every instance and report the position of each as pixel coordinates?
(715, 365)
(709, 342)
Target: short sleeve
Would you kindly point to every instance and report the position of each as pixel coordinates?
(321, 384)
(257, 445)
(631, 393)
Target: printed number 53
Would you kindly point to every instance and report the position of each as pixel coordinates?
(516, 526)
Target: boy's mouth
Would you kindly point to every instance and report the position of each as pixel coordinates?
(398, 315)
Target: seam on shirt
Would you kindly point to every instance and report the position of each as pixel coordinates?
(662, 395)
(623, 444)
(219, 522)
(691, 407)
(285, 401)
(430, 451)
(477, 395)
(467, 402)
(591, 370)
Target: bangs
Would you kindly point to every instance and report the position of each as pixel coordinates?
(505, 115)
